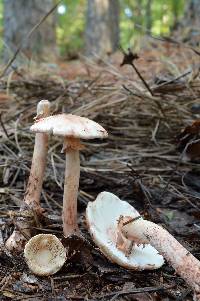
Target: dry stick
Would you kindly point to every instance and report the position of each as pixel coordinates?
(185, 195)
(129, 58)
(134, 291)
(24, 297)
(3, 127)
(171, 81)
(142, 79)
(20, 112)
(27, 37)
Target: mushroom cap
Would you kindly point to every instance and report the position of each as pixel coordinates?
(69, 125)
(43, 108)
(44, 254)
(102, 217)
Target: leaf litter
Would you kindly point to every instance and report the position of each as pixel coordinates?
(141, 162)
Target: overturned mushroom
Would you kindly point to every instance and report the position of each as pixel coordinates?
(72, 128)
(184, 263)
(44, 254)
(32, 195)
(103, 217)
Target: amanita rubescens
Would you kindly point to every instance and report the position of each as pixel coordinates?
(72, 128)
(32, 195)
(184, 263)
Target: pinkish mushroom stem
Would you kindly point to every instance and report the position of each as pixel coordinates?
(72, 174)
(184, 263)
(32, 195)
(34, 186)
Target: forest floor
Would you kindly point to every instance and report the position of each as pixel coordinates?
(142, 162)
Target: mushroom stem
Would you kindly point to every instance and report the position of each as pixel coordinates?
(184, 263)
(34, 186)
(32, 195)
(71, 184)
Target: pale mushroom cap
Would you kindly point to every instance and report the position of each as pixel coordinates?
(69, 125)
(102, 217)
(44, 254)
(43, 108)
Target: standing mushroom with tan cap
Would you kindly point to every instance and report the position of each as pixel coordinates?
(32, 195)
(72, 128)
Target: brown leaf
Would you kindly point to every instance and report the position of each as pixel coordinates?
(188, 141)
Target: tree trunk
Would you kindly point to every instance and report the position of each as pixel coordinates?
(187, 29)
(20, 16)
(102, 27)
(192, 13)
(191, 23)
(148, 15)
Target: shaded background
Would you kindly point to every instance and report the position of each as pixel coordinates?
(79, 26)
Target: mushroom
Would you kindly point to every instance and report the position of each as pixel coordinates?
(32, 195)
(103, 217)
(72, 128)
(44, 254)
(184, 263)
(34, 186)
